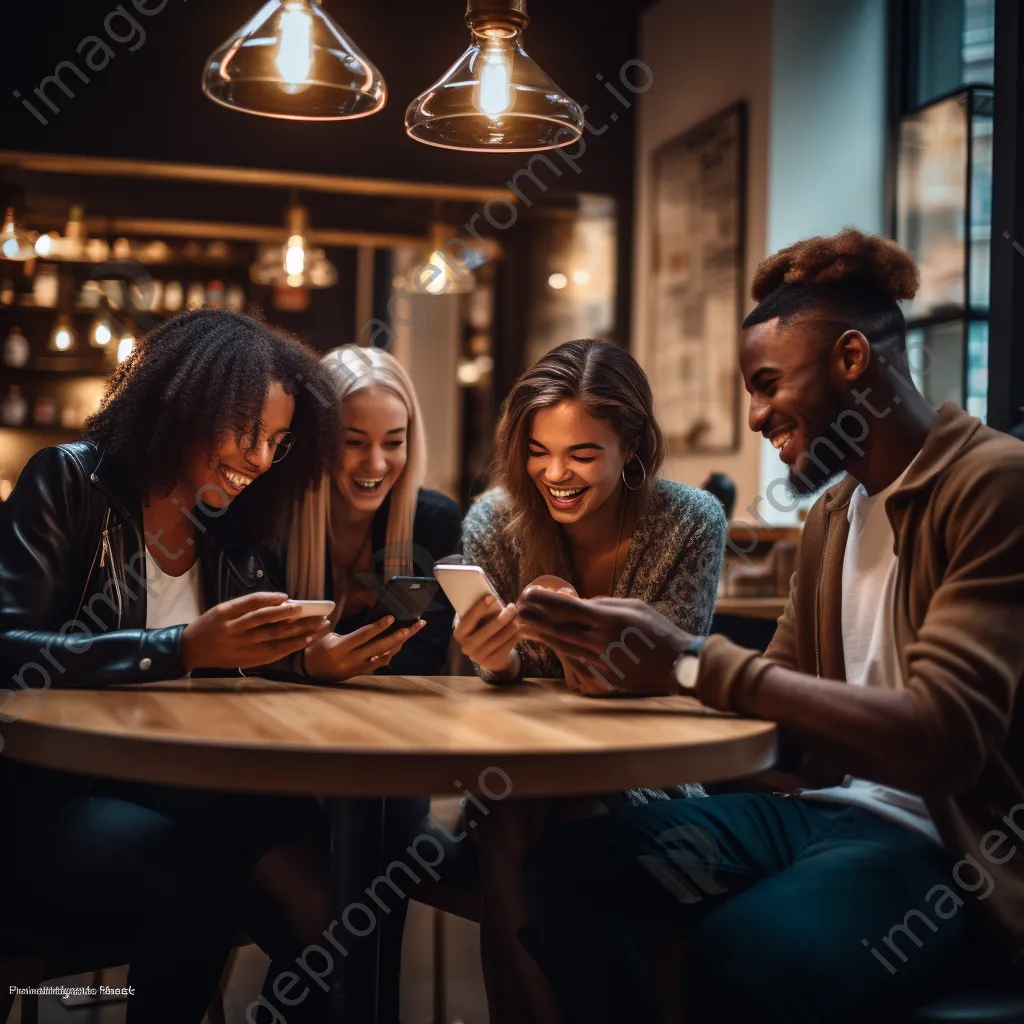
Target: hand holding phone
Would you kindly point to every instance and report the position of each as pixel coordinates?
(247, 631)
(405, 599)
(335, 657)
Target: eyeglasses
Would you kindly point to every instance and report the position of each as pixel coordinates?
(280, 444)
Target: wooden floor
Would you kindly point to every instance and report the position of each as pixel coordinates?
(466, 1001)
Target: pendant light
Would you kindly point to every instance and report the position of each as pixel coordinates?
(494, 98)
(16, 243)
(444, 273)
(294, 61)
(296, 264)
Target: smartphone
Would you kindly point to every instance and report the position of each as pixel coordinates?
(405, 597)
(309, 608)
(464, 585)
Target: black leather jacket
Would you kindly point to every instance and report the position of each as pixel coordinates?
(73, 578)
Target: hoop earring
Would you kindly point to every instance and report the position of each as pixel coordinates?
(642, 482)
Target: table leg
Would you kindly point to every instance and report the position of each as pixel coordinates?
(357, 827)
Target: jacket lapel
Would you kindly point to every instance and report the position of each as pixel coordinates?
(829, 598)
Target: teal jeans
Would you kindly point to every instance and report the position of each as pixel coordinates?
(795, 912)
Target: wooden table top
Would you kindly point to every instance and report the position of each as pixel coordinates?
(385, 736)
(767, 608)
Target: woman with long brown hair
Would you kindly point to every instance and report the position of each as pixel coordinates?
(578, 497)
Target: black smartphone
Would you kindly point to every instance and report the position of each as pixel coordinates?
(405, 597)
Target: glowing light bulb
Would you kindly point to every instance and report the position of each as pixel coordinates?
(295, 256)
(10, 248)
(62, 337)
(295, 50)
(494, 96)
(101, 333)
(44, 245)
(436, 283)
(124, 348)
(581, 277)
(557, 281)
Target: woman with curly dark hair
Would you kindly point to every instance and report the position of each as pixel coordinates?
(134, 555)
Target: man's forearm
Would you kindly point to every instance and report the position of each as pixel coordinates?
(869, 733)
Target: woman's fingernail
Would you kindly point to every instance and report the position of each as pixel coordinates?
(421, 623)
(309, 639)
(489, 600)
(388, 619)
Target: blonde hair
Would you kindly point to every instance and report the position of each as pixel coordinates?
(353, 368)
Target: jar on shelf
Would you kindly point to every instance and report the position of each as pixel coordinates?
(14, 407)
(16, 348)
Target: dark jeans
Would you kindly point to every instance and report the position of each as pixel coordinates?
(174, 875)
(795, 912)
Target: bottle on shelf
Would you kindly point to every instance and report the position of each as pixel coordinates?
(7, 292)
(173, 296)
(215, 294)
(16, 348)
(44, 411)
(14, 407)
(72, 245)
(235, 298)
(46, 287)
(195, 296)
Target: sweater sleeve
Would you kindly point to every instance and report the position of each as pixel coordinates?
(687, 598)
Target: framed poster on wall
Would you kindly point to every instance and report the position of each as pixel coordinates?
(698, 189)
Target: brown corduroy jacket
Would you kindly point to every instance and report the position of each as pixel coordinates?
(958, 524)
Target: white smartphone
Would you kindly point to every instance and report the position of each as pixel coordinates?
(463, 585)
(310, 608)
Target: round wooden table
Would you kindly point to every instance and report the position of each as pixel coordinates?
(381, 736)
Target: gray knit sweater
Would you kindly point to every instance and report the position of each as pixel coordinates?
(672, 564)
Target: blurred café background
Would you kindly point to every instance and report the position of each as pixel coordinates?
(714, 134)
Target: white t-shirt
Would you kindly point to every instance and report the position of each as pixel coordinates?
(171, 600)
(869, 647)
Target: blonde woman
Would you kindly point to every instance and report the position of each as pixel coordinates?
(372, 520)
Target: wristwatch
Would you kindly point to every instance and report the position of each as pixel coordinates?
(684, 668)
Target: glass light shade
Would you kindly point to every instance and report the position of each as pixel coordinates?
(15, 243)
(449, 267)
(295, 264)
(63, 337)
(495, 98)
(293, 61)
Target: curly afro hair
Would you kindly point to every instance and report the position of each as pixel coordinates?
(202, 375)
(851, 279)
(850, 258)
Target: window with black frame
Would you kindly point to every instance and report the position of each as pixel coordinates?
(943, 194)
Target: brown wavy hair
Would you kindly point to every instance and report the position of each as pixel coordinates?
(611, 385)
